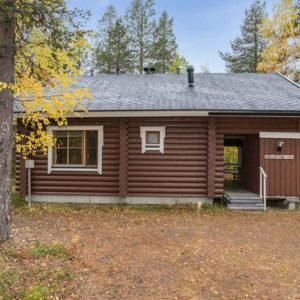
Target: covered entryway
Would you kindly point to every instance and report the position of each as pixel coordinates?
(242, 172)
(241, 163)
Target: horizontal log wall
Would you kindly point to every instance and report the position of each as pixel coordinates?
(253, 125)
(219, 167)
(181, 170)
(284, 174)
(82, 183)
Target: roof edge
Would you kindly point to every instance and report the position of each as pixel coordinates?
(289, 80)
(179, 113)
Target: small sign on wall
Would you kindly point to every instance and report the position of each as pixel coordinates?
(29, 164)
(278, 157)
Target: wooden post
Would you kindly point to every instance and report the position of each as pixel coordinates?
(298, 125)
(211, 162)
(22, 177)
(123, 157)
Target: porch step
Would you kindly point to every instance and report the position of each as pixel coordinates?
(246, 206)
(245, 201)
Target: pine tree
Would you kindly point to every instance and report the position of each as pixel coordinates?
(164, 46)
(120, 52)
(103, 51)
(248, 47)
(140, 25)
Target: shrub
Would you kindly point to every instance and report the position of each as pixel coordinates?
(38, 292)
(42, 250)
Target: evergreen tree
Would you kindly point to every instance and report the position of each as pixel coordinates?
(164, 44)
(120, 52)
(248, 47)
(140, 25)
(178, 64)
(103, 55)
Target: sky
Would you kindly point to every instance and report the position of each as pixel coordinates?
(202, 27)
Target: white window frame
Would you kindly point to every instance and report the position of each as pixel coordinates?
(279, 135)
(76, 168)
(162, 135)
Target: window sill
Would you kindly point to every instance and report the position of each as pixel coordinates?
(76, 169)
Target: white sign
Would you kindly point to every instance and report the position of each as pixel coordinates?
(29, 164)
(285, 157)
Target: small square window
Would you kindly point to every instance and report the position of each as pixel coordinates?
(153, 139)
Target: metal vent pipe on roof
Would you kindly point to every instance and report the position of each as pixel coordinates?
(191, 75)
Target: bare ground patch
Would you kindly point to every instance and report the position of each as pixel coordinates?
(146, 253)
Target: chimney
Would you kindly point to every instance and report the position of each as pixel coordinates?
(92, 72)
(191, 77)
(149, 70)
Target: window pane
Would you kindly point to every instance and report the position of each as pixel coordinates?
(75, 139)
(61, 157)
(91, 148)
(152, 137)
(61, 139)
(75, 157)
(92, 157)
(92, 139)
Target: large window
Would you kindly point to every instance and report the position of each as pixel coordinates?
(76, 148)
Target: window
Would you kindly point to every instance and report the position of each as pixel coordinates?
(153, 138)
(76, 149)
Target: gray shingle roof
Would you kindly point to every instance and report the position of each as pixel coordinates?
(263, 93)
(212, 92)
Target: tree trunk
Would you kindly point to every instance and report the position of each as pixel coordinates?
(7, 29)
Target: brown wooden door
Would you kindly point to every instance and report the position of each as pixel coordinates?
(281, 166)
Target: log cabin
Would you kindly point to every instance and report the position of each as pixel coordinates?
(161, 139)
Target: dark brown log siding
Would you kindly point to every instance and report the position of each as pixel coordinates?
(251, 163)
(83, 183)
(219, 176)
(181, 170)
(283, 175)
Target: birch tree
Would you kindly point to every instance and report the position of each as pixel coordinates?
(282, 33)
(7, 37)
(40, 47)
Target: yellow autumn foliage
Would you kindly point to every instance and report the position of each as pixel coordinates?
(48, 98)
(282, 33)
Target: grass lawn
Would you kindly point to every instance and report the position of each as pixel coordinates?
(110, 252)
